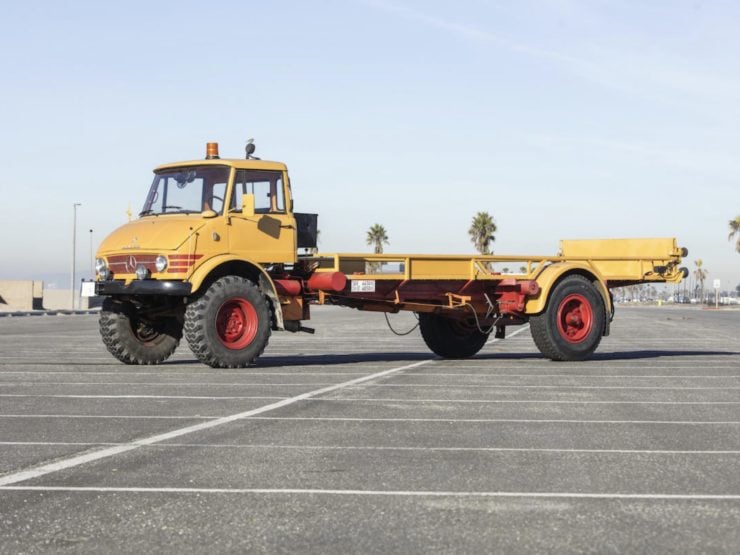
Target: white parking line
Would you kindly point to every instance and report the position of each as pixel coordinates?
(498, 420)
(493, 374)
(109, 416)
(532, 401)
(387, 493)
(165, 374)
(206, 397)
(509, 336)
(614, 364)
(165, 384)
(401, 385)
(490, 373)
(358, 419)
(568, 387)
(77, 460)
(375, 448)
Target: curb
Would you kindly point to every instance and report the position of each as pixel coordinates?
(18, 313)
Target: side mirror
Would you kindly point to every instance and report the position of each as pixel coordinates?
(248, 205)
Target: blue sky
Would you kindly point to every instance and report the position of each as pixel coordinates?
(563, 119)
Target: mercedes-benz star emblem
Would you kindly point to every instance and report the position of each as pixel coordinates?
(131, 264)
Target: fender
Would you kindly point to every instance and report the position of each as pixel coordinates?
(256, 272)
(552, 273)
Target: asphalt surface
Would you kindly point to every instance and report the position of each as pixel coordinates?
(356, 440)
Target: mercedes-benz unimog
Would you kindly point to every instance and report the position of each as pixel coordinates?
(214, 257)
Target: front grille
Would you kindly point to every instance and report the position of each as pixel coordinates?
(122, 264)
(127, 263)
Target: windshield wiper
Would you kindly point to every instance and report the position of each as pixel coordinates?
(178, 211)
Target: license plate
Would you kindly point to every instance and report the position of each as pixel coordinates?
(363, 286)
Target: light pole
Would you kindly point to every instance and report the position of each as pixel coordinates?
(74, 247)
(92, 258)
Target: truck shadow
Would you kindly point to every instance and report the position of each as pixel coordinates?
(330, 360)
(357, 358)
(396, 357)
(651, 353)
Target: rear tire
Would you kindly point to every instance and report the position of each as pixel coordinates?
(133, 339)
(229, 325)
(573, 323)
(450, 338)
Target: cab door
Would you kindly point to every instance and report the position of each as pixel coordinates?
(270, 235)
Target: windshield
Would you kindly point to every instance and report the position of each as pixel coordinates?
(187, 190)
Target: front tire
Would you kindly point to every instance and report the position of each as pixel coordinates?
(229, 325)
(450, 338)
(571, 326)
(134, 339)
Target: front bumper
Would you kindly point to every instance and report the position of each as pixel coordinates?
(143, 287)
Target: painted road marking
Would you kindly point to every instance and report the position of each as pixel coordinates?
(385, 493)
(186, 374)
(534, 401)
(444, 386)
(517, 332)
(207, 397)
(166, 384)
(359, 419)
(496, 386)
(375, 448)
(111, 416)
(500, 420)
(491, 374)
(78, 460)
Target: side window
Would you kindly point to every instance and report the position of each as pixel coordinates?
(215, 195)
(262, 200)
(266, 186)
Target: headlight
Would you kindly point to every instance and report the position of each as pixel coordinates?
(142, 272)
(161, 263)
(100, 264)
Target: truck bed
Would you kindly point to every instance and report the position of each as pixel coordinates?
(616, 261)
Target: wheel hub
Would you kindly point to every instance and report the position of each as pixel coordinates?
(575, 318)
(144, 332)
(236, 323)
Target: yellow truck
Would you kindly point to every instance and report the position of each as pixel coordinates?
(218, 255)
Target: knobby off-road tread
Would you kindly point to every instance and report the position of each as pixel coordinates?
(200, 325)
(543, 326)
(120, 340)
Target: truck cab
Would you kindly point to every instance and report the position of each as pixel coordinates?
(203, 221)
(195, 211)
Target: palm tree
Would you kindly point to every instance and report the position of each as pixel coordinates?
(700, 274)
(735, 230)
(481, 232)
(377, 236)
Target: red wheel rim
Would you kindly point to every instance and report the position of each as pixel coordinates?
(575, 318)
(236, 323)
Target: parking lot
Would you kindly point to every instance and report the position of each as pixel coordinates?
(355, 440)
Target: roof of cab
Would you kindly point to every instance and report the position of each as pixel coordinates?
(241, 164)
